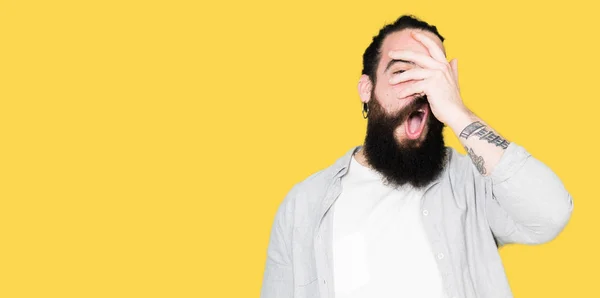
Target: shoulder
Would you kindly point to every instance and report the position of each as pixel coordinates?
(306, 195)
(315, 185)
(318, 182)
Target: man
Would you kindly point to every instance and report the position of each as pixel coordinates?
(404, 215)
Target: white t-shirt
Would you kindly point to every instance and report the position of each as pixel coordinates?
(380, 248)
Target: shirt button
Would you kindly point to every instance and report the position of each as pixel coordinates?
(425, 212)
(440, 256)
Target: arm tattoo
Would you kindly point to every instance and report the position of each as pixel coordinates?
(492, 138)
(484, 133)
(477, 160)
(470, 129)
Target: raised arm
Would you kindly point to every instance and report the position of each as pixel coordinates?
(528, 203)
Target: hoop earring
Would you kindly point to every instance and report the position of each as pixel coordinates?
(365, 111)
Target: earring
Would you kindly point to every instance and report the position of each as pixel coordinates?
(365, 111)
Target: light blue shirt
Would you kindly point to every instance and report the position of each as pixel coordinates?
(467, 216)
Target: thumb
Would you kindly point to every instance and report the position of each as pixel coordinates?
(454, 66)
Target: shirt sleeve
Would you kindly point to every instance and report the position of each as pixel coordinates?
(528, 203)
(278, 277)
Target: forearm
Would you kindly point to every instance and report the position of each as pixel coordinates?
(482, 143)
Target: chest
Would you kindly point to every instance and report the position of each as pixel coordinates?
(448, 220)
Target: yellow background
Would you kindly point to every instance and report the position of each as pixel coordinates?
(146, 145)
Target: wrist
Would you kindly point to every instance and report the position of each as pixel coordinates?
(462, 118)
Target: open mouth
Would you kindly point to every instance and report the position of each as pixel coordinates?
(415, 123)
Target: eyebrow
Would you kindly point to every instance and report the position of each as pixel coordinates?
(396, 61)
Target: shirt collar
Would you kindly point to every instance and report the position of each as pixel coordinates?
(340, 167)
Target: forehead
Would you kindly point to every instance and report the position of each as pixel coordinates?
(402, 40)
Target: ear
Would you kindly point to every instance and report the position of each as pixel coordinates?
(365, 87)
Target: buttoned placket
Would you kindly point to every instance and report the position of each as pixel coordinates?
(433, 234)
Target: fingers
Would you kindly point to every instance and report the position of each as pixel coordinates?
(419, 59)
(415, 88)
(409, 75)
(434, 50)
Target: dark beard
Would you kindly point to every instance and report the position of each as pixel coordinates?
(409, 162)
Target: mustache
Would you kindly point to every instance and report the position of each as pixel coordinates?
(403, 114)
